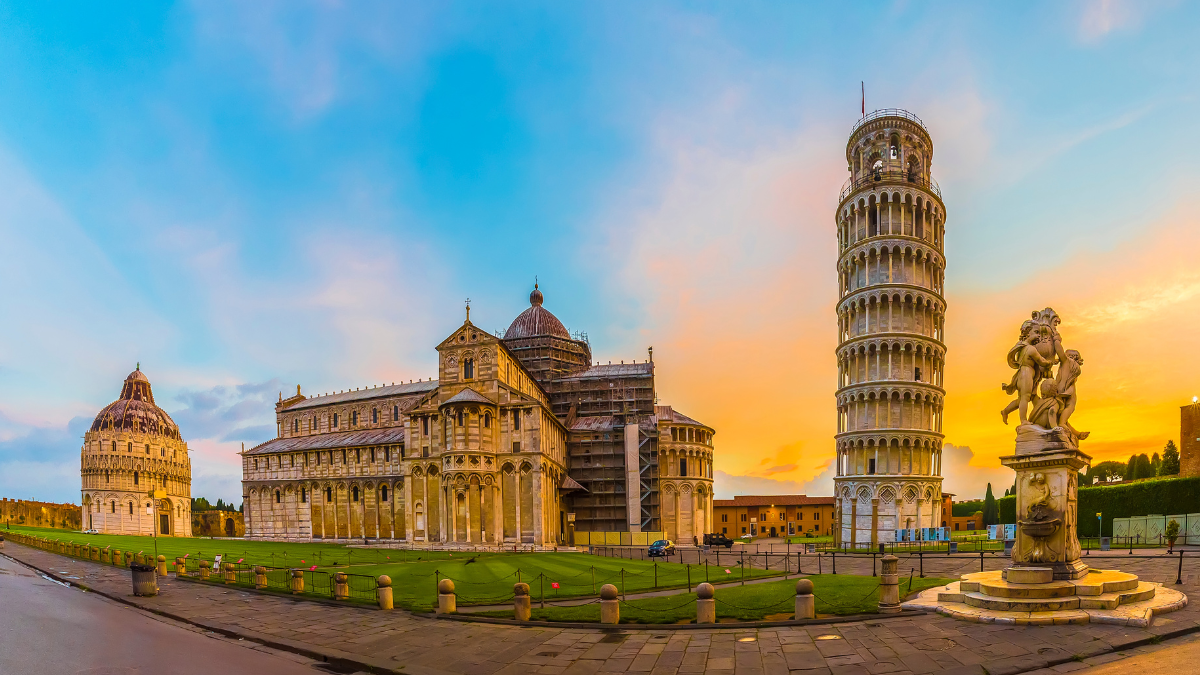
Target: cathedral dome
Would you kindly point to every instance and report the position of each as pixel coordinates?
(135, 410)
(535, 321)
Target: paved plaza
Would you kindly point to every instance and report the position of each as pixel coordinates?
(400, 641)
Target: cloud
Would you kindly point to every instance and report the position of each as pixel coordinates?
(968, 481)
(1098, 18)
(727, 486)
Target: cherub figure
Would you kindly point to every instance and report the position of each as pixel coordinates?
(1031, 367)
(1047, 410)
(1069, 370)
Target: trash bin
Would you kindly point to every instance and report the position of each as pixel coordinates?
(1105, 543)
(145, 579)
(953, 547)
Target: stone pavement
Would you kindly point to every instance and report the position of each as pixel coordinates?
(402, 642)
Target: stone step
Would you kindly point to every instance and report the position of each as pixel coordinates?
(1007, 589)
(1020, 604)
(1098, 582)
(1144, 591)
(1028, 575)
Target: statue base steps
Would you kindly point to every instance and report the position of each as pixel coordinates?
(1100, 596)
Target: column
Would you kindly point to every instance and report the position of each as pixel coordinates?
(408, 510)
(874, 522)
(517, 501)
(853, 521)
(539, 525)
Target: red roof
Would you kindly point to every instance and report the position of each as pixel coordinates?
(774, 500)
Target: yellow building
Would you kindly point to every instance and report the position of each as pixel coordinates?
(773, 515)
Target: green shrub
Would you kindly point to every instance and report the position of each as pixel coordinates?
(1157, 496)
(968, 508)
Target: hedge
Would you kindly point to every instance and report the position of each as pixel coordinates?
(967, 508)
(1153, 496)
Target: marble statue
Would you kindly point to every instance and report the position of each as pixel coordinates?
(1051, 394)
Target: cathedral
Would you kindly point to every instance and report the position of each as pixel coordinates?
(134, 466)
(521, 439)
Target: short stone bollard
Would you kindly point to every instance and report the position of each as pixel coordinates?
(230, 575)
(889, 585)
(706, 606)
(260, 577)
(128, 559)
(96, 553)
(162, 565)
(117, 557)
(806, 603)
(610, 606)
(297, 581)
(180, 567)
(106, 556)
(447, 601)
(205, 570)
(522, 603)
(383, 591)
(341, 586)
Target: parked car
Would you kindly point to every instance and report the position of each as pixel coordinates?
(718, 540)
(746, 536)
(91, 531)
(661, 548)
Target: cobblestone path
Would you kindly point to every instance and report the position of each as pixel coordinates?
(403, 642)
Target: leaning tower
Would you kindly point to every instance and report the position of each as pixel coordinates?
(891, 348)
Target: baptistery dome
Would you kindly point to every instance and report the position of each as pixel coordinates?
(535, 321)
(135, 410)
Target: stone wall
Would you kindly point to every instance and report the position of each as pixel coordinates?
(1189, 440)
(41, 514)
(218, 524)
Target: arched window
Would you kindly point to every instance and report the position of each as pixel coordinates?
(129, 447)
(329, 495)
(106, 476)
(303, 496)
(131, 508)
(354, 418)
(147, 448)
(335, 420)
(296, 425)
(395, 413)
(383, 493)
(354, 493)
(487, 420)
(114, 446)
(113, 507)
(374, 415)
(460, 418)
(277, 496)
(468, 368)
(135, 478)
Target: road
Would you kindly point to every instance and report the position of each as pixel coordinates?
(51, 629)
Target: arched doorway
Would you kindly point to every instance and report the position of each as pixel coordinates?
(230, 530)
(164, 517)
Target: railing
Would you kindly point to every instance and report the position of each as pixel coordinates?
(888, 112)
(895, 176)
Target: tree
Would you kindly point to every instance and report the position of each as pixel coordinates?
(991, 512)
(1170, 460)
(1144, 470)
(1131, 468)
(1155, 463)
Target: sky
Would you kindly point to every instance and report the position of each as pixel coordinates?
(244, 197)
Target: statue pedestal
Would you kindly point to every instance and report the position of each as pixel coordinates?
(1047, 464)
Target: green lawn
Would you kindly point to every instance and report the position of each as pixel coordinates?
(839, 594)
(480, 578)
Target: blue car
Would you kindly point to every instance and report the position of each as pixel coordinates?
(661, 548)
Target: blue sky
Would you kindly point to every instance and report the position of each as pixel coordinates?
(246, 196)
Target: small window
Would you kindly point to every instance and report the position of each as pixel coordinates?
(277, 496)
(460, 418)
(387, 454)
(354, 418)
(147, 448)
(781, 515)
(354, 493)
(487, 420)
(871, 466)
(395, 413)
(743, 519)
(516, 420)
(724, 517)
(114, 446)
(112, 508)
(131, 508)
(468, 368)
(425, 426)
(743, 530)
(135, 478)
(516, 446)
(318, 459)
(313, 424)
(374, 415)
(917, 374)
(130, 447)
(303, 496)
(675, 433)
(383, 493)
(358, 456)
(683, 466)
(343, 458)
(329, 495)
(335, 420)
(372, 455)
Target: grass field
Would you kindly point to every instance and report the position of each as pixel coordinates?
(836, 594)
(480, 578)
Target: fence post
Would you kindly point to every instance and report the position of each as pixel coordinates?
(656, 574)
(297, 581)
(689, 576)
(980, 560)
(921, 558)
(806, 604)
(521, 602)
(447, 602)
(383, 591)
(889, 585)
(542, 586)
(706, 607)
(260, 577)
(1179, 577)
(341, 586)
(593, 578)
(610, 607)
(622, 584)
